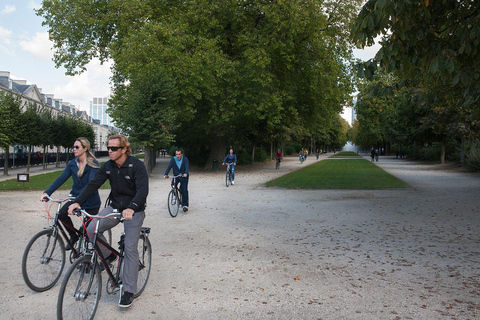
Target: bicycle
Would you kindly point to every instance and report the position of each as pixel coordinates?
(228, 175)
(81, 288)
(174, 198)
(277, 163)
(44, 257)
(301, 157)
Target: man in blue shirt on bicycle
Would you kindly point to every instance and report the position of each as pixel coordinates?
(231, 160)
(180, 166)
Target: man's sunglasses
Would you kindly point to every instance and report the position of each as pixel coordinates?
(114, 148)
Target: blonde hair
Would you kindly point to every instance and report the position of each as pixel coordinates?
(91, 160)
(123, 142)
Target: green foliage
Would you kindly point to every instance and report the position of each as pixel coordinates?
(437, 40)
(10, 115)
(261, 155)
(248, 70)
(473, 158)
(339, 174)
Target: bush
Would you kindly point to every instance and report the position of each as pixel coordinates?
(243, 157)
(261, 155)
(289, 150)
(472, 161)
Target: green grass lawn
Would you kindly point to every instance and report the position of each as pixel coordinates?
(345, 154)
(40, 182)
(339, 174)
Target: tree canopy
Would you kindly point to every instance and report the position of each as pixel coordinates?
(250, 69)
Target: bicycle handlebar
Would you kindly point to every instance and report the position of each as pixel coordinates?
(48, 198)
(114, 215)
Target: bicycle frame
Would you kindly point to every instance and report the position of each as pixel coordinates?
(58, 226)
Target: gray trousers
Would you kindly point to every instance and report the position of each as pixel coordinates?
(132, 234)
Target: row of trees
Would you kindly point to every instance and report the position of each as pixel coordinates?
(31, 125)
(212, 74)
(423, 86)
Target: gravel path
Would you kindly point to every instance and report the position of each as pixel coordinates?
(250, 252)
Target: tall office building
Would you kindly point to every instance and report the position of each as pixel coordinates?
(98, 111)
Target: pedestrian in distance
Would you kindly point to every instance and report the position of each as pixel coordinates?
(180, 166)
(82, 169)
(129, 189)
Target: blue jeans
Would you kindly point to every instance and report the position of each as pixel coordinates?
(232, 169)
(184, 189)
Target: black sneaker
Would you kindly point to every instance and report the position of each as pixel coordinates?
(126, 301)
(73, 240)
(112, 257)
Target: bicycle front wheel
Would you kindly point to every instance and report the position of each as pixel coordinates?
(173, 203)
(145, 263)
(80, 291)
(227, 179)
(43, 260)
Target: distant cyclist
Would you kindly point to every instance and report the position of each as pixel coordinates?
(278, 156)
(231, 160)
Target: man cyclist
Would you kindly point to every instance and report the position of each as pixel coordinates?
(180, 166)
(231, 161)
(129, 189)
(278, 156)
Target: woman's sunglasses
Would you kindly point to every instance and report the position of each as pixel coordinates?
(76, 147)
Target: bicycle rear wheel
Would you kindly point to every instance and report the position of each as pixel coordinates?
(43, 260)
(145, 263)
(173, 203)
(81, 290)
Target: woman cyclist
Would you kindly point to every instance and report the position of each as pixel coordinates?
(231, 161)
(82, 169)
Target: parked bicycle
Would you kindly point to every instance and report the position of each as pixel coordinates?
(174, 198)
(44, 256)
(228, 175)
(81, 288)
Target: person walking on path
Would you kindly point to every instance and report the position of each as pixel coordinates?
(231, 161)
(129, 182)
(180, 166)
(82, 169)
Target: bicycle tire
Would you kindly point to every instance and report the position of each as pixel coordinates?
(43, 260)
(81, 290)
(145, 263)
(173, 203)
(227, 179)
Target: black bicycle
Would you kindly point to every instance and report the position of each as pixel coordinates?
(44, 256)
(81, 288)
(228, 175)
(174, 198)
(277, 163)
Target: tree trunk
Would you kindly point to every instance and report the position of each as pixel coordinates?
(253, 152)
(217, 151)
(44, 158)
(442, 153)
(7, 156)
(57, 161)
(149, 159)
(29, 158)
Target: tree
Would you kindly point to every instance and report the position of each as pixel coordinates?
(243, 68)
(437, 38)
(10, 113)
(144, 110)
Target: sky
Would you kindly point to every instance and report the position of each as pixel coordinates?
(26, 52)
